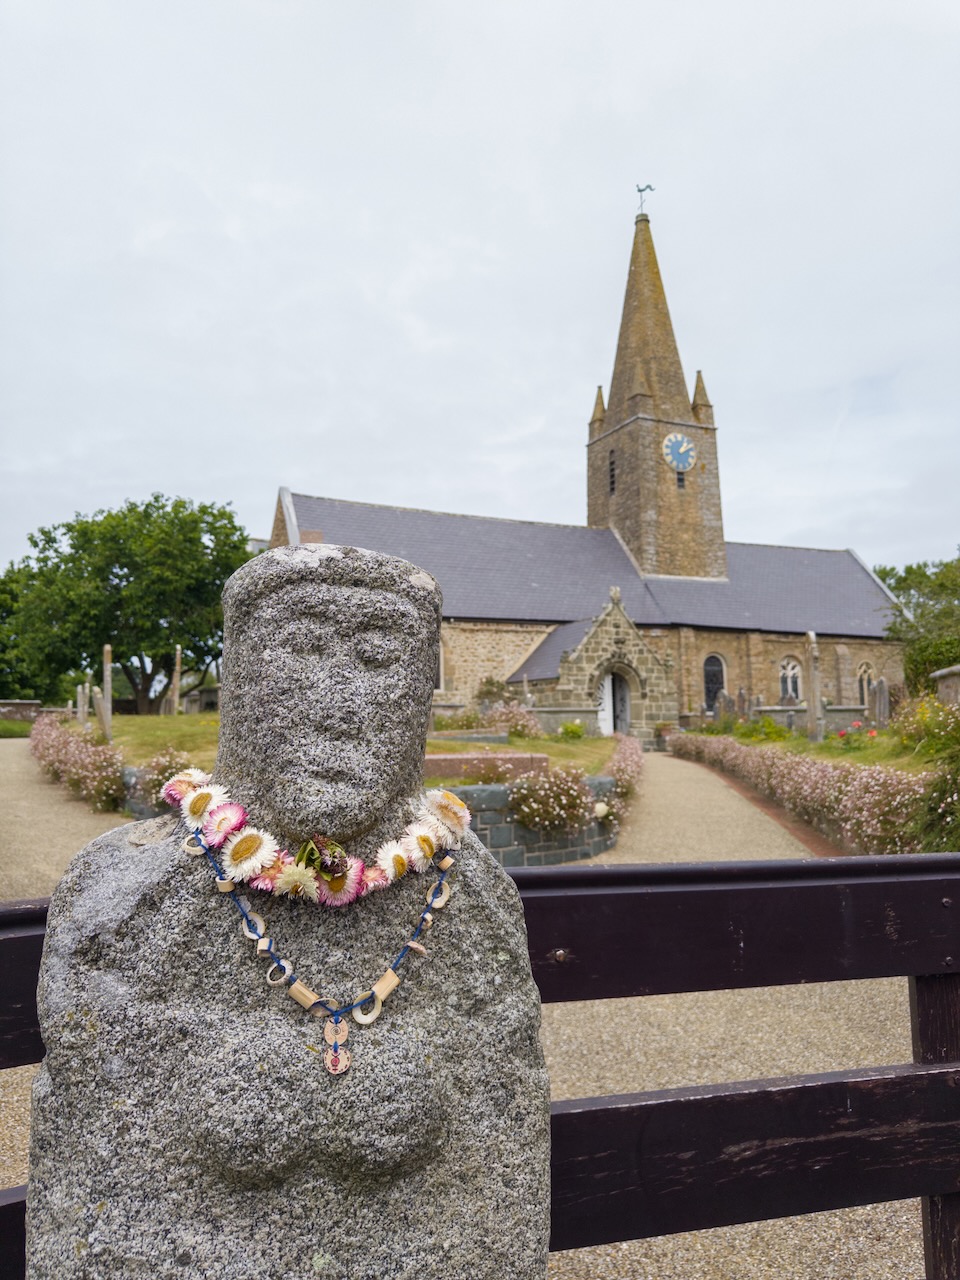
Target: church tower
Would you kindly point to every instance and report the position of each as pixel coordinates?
(652, 472)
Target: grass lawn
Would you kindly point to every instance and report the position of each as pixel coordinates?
(15, 728)
(886, 749)
(140, 737)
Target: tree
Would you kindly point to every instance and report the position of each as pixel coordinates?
(144, 578)
(926, 618)
(19, 678)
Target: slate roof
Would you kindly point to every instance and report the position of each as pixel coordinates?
(544, 662)
(521, 570)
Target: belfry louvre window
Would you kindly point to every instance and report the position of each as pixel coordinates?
(613, 471)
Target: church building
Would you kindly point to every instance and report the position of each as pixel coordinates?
(644, 616)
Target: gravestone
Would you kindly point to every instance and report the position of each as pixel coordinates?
(725, 705)
(189, 1120)
(878, 709)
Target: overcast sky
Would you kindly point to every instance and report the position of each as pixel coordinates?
(377, 251)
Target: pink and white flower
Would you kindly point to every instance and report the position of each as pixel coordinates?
(448, 809)
(196, 804)
(392, 860)
(267, 878)
(341, 890)
(222, 821)
(181, 784)
(247, 852)
(419, 844)
(374, 878)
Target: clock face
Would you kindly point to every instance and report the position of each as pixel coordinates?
(679, 451)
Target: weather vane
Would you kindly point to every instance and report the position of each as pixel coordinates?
(641, 190)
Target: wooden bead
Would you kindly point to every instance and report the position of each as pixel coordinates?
(445, 863)
(258, 926)
(300, 992)
(365, 1019)
(226, 886)
(427, 920)
(263, 946)
(441, 901)
(385, 984)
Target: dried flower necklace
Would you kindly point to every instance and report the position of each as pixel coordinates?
(322, 872)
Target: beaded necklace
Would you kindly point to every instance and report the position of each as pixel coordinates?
(442, 820)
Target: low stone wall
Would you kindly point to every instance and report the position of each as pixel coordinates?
(469, 765)
(19, 708)
(514, 845)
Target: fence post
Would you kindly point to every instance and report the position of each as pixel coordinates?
(935, 1019)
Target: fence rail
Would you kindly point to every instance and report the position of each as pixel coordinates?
(647, 1164)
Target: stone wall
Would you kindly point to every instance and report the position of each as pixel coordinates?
(751, 661)
(472, 651)
(469, 765)
(514, 845)
(19, 708)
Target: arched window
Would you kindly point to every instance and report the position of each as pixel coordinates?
(791, 679)
(866, 679)
(713, 680)
(438, 673)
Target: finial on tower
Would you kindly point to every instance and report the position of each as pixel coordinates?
(640, 192)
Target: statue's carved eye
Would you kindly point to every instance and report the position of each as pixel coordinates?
(378, 649)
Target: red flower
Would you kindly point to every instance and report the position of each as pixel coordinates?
(841, 733)
(871, 733)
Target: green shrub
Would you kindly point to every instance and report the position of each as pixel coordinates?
(571, 730)
(466, 719)
(766, 729)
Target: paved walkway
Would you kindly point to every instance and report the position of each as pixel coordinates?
(687, 813)
(684, 813)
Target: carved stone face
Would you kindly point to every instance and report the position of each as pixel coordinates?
(329, 662)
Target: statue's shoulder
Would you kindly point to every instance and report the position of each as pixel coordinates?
(107, 880)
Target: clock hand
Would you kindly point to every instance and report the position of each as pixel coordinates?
(684, 448)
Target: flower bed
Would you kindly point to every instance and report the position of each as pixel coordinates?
(92, 770)
(863, 808)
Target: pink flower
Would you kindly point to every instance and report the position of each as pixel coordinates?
(857, 724)
(222, 821)
(340, 891)
(174, 790)
(841, 733)
(871, 733)
(373, 878)
(267, 879)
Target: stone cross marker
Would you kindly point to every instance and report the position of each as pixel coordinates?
(184, 1124)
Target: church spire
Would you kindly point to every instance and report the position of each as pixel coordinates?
(647, 374)
(702, 408)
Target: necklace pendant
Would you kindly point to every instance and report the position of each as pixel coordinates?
(337, 1061)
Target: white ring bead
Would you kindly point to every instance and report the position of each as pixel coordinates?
(260, 924)
(366, 1018)
(287, 970)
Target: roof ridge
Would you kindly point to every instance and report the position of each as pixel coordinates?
(787, 546)
(457, 515)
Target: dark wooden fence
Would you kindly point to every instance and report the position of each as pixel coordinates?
(648, 1164)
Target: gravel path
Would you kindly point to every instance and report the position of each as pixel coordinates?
(44, 825)
(687, 813)
(684, 813)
